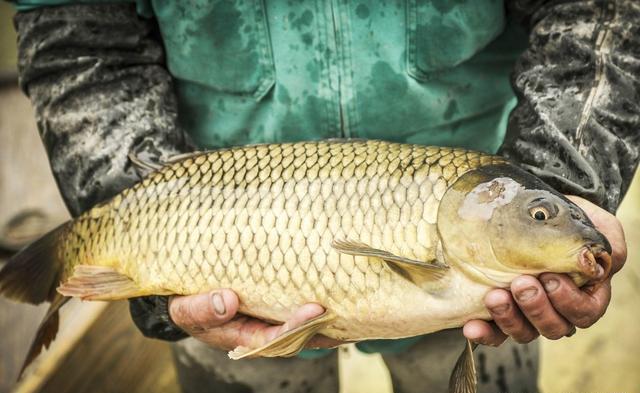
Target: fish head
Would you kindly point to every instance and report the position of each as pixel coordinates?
(508, 222)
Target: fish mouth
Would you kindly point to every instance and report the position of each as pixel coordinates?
(594, 262)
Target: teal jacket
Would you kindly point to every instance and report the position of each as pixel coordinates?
(427, 72)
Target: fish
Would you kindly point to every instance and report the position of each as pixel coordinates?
(393, 240)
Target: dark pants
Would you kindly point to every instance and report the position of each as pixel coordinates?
(423, 368)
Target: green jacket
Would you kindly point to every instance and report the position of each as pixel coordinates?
(427, 72)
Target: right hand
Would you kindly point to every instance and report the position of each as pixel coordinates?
(212, 318)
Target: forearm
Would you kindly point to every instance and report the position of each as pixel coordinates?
(578, 115)
(96, 77)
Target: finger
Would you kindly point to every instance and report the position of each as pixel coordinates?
(239, 331)
(507, 316)
(483, 332)
(536, 307)
(253, 333)
(299, 318)
(203, 311)
(302, 315)
(580, 307)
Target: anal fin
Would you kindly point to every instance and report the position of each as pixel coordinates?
(463, 377)
(287, 344)
(47, 331)
(100, 283)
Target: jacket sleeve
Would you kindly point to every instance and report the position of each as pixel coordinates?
(95, 75)
(577, 122)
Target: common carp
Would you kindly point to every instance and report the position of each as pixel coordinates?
(393, 240)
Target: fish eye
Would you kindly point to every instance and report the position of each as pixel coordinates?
(539, 213)
(542, 209)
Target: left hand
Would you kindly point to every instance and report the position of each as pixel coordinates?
(552, 305)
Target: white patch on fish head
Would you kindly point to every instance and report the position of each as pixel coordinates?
(480, 203)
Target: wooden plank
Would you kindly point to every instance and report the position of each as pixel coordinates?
(18, 323)
(112, 356)
(76, 319)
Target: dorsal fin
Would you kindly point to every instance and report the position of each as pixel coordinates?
(182, 156)
(407, 267)
(145, 167)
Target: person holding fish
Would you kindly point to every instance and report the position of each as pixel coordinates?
(111, 82)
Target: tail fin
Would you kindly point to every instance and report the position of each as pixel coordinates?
(32, 276)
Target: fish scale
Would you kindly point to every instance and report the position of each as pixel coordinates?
(262, 219)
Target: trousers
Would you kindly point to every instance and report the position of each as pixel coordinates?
(424, 367)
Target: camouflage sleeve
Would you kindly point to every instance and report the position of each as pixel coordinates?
(96, 77)
(577, 122)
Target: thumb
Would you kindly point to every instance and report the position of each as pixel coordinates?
(203, 311)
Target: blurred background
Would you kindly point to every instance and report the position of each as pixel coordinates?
(99, 350)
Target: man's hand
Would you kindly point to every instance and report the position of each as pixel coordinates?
(552, 306)
(212, 319)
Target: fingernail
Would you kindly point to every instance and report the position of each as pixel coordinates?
(218, 304)
(527, 294)
(550, 285)
(498, 310)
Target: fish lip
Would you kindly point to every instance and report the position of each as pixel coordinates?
(594, 261)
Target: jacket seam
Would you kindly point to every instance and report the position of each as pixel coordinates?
(601, 50)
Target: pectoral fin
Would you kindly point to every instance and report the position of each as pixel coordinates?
(463, 376)
(289, 343)
(409, 268)
(101, 283)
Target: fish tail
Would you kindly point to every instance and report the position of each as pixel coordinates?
(32, 276)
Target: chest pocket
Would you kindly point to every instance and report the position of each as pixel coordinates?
(442, 34)
(221, 44)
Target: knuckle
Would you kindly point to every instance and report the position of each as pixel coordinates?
(556, 333)
(584, 321)
(496, 340)
(525, 338)
(508, 324)
(619, 254)
(179, 313)
(194, 314)
(537, 313)
(490, 342)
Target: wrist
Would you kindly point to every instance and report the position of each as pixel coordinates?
(151, 316)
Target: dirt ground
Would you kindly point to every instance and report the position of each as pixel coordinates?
(603, 358)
